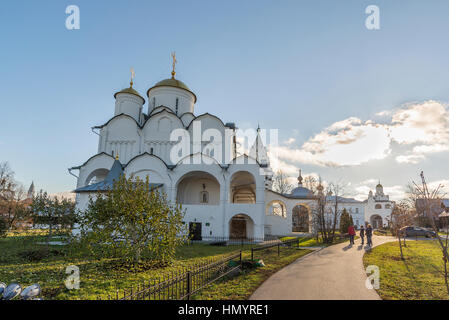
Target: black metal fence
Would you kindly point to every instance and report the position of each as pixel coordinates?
(183, 284)
(287, 243)
(227, 241)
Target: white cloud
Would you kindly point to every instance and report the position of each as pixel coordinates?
(413, 158)
(420, 128)
(290, 141)
(344, 143)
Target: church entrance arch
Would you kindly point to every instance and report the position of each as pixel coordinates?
(300, 218)
(241, 227)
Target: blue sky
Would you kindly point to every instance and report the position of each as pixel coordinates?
(299, 66)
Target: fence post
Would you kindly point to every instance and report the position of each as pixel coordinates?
(241, 262)
(188, 285)
(252, 254)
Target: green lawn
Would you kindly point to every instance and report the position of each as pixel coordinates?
(242, 286)
(98, 277)
(20, 262)
(418, 277)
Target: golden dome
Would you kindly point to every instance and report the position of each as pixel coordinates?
(129, 90)
(172, 82)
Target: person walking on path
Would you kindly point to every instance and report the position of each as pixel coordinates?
(351, 232)
(369, 235)
(362, 234)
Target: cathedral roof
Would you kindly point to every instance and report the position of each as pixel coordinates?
(301, 192)
(113, 175)
(129, 90)
(171, 82)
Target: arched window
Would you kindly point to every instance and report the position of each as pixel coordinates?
(204, 197)
(378, 206)
(177, 104)
(277, 208)
(387, 206)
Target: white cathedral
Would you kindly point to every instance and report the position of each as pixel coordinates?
(224, 194)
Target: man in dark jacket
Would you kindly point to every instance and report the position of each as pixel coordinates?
(362, 234)
(369, 235)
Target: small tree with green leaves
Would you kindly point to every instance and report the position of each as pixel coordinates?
(345, 221)
(56, 214)
(135, 221)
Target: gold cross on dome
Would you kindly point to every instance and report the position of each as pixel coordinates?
(173, 55)
(133, 74)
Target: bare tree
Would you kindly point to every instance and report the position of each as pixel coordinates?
(12, 194)
(7, 182)
(402, 216)
(416, 203)
(327, 212)
(12, 206)
(311, 183)
(280, 183)
(429, 200)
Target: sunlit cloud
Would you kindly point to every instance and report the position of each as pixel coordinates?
(412, 159)
(420, 129)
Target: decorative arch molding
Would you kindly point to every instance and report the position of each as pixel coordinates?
(243, 187)
(198, 187)
(168, 113)
(241, 226)
(149, 155)
(95, 156)
(203, 116)
(198, 154)
(283, 208)
(121, 115)
(99, 173)
(245, 160)
(181, 170)
(160, 109)
(301, 220)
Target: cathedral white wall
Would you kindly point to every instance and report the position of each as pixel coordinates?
(190, 191)
(211, 139)
(166, 96)
(384, 213)
(156, 134)
(121, 136)
(283, 226)
(129, 104)
(82, 201)
(186, 118)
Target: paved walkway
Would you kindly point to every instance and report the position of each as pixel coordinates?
(335, 272)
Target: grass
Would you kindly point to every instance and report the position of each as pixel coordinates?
(418, 277)
(242, 286)
(381, 233)
(98, 277)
